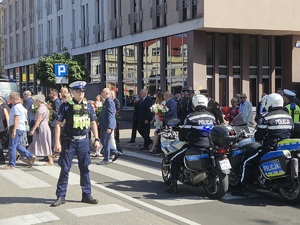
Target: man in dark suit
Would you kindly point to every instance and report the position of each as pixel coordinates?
(107, 125)
(135, 119)
(145, 116)
(183, 107)
(178, 100)
(118, 106)
(190, 107)
(172, 106)
(213, 107)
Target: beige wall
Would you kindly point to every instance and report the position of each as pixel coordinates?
(295, 60)
(265, 17)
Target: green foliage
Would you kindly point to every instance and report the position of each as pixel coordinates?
(45, 68)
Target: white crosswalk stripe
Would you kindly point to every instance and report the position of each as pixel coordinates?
(23, 179)
(183, 201)
(97, 210)
(112, 173)
(36, 218)
(54, 171)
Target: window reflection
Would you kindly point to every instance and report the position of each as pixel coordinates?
(151, 65)
(129, 74)
(176, 62)
(111, 63)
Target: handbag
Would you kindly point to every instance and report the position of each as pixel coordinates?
(37, 130)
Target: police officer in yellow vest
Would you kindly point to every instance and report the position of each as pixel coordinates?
(290, 106)
(80, 117)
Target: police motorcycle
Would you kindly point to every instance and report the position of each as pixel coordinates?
(277, 171)
(207, 168)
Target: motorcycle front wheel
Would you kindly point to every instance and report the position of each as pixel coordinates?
(216, 185)
(290, 195)
(166, 171)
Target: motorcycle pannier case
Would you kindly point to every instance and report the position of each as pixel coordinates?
(197, 159)
(223, 136)
(274, 164)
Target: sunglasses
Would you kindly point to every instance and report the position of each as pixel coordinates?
(243, 97)
(79, 90)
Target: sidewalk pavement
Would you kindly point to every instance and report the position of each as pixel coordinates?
(125, 136)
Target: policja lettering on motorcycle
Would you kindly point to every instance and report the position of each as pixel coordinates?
(80, 117)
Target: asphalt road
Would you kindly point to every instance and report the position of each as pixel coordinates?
(130, 191)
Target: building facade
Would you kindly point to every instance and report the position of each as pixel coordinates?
(228, 47)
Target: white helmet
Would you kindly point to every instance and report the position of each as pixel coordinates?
(272, 101)
(200, 100)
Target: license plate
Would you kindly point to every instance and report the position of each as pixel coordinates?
(225, 164)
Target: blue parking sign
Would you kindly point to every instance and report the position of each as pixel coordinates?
(61, 70)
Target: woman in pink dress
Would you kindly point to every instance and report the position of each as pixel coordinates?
(41, 140)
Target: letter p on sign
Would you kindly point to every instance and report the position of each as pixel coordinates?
(61, 70)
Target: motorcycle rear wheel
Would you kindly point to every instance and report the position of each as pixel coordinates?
(235, 179)
(216, 185)
(291, 196)
(166, 171)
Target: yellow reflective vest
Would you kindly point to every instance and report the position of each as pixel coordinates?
(294, 111)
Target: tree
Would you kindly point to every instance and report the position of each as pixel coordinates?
(45, 69)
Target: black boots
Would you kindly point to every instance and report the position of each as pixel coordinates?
(241, 191)
(173, 187)
(89, 199)
(59, 201)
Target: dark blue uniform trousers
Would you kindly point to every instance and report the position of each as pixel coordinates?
(81, 149)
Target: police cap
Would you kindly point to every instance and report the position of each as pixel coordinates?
(203, 91)
(288, 93)
(190, 92)
(78, 85)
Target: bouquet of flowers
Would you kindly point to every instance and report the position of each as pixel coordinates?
(159, 109)
(34, 108)
(97, 107)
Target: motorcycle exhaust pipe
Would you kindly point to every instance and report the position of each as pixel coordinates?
(199, 177)
(294, 168)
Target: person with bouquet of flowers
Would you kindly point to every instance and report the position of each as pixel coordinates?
(159, 109)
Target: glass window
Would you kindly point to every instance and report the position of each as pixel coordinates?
(236, 86)
(111, 63)
(176, 61)
(223, 50)
(223, 91)
(129, 74)
(95, 67)
(253, 91)
(236, 50)
(266, 85)
(253, 51)
(151, 65)
(209, 50)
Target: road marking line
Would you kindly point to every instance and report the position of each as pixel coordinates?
(97, 210)
(112, 173)
(30, 219)
(23, 179)
(54, 171)
(139, 167)
(189, 200)
(146, 205)
(142, 156)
